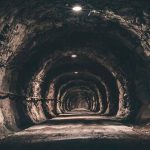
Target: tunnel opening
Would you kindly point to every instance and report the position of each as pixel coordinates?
(70, 72)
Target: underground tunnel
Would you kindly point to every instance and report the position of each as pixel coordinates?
(74, 74)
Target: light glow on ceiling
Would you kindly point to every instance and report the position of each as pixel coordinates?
(76, 72)
(74, 56)
(77, 8)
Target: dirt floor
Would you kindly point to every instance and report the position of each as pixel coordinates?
(75, 131)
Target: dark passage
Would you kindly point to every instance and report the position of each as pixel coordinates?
(74, 74)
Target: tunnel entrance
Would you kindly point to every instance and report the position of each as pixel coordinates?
(78, 100)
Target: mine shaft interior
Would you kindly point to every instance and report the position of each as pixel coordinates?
(74, 74)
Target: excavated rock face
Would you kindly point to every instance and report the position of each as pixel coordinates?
(50, 56)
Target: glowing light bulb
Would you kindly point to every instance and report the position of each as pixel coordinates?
(76, 72)
(77, 8)
(74, 56)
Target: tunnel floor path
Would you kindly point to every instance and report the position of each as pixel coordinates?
(79, 130)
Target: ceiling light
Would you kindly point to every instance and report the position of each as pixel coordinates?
(76, 72)
(77, 8)
(74, 56)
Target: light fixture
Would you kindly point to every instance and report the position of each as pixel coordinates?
(74, 56)
(77, 8)
(76, 72)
